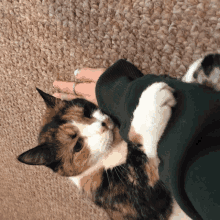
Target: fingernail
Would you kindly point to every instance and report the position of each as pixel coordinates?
(76, 72)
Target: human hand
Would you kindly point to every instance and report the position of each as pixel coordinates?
(86, 89)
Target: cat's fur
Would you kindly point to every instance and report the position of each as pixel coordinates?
(78, 141)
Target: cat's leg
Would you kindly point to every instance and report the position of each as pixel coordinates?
(151, 116)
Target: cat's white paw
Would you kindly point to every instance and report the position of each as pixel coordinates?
(188, 77)
(152, 114)
(161, 95)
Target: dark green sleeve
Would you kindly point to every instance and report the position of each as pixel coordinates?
(112, 84)
(194, 127)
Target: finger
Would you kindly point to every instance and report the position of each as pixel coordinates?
(89, 74)
(64, 96)
(87, 90)
(69, 97)
(64, 86)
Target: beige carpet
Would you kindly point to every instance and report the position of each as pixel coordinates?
(44, 40)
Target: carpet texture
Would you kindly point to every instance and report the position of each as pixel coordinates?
(46, 40)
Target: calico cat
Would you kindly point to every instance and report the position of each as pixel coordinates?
(80, 142)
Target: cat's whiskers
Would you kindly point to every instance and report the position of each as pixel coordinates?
(122, 166)
(120, 170)
(109, 186)
(116, 170)
(119, 167)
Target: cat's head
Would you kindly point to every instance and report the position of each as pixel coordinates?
(75, 136)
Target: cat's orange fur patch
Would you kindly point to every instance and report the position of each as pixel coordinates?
(73, 163)
(91, 182)
(123, 212)
(118, 210)
(151, 168)
(152, 171)
(134, 137)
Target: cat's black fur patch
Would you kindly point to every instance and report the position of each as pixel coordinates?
(148, 202)
(44, 154)
(210, 62)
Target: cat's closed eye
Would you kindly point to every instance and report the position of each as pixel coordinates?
(104, 124)
(78, 147)
(73, 136)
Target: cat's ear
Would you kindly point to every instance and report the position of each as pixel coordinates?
(50, 100)
(43, 154)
